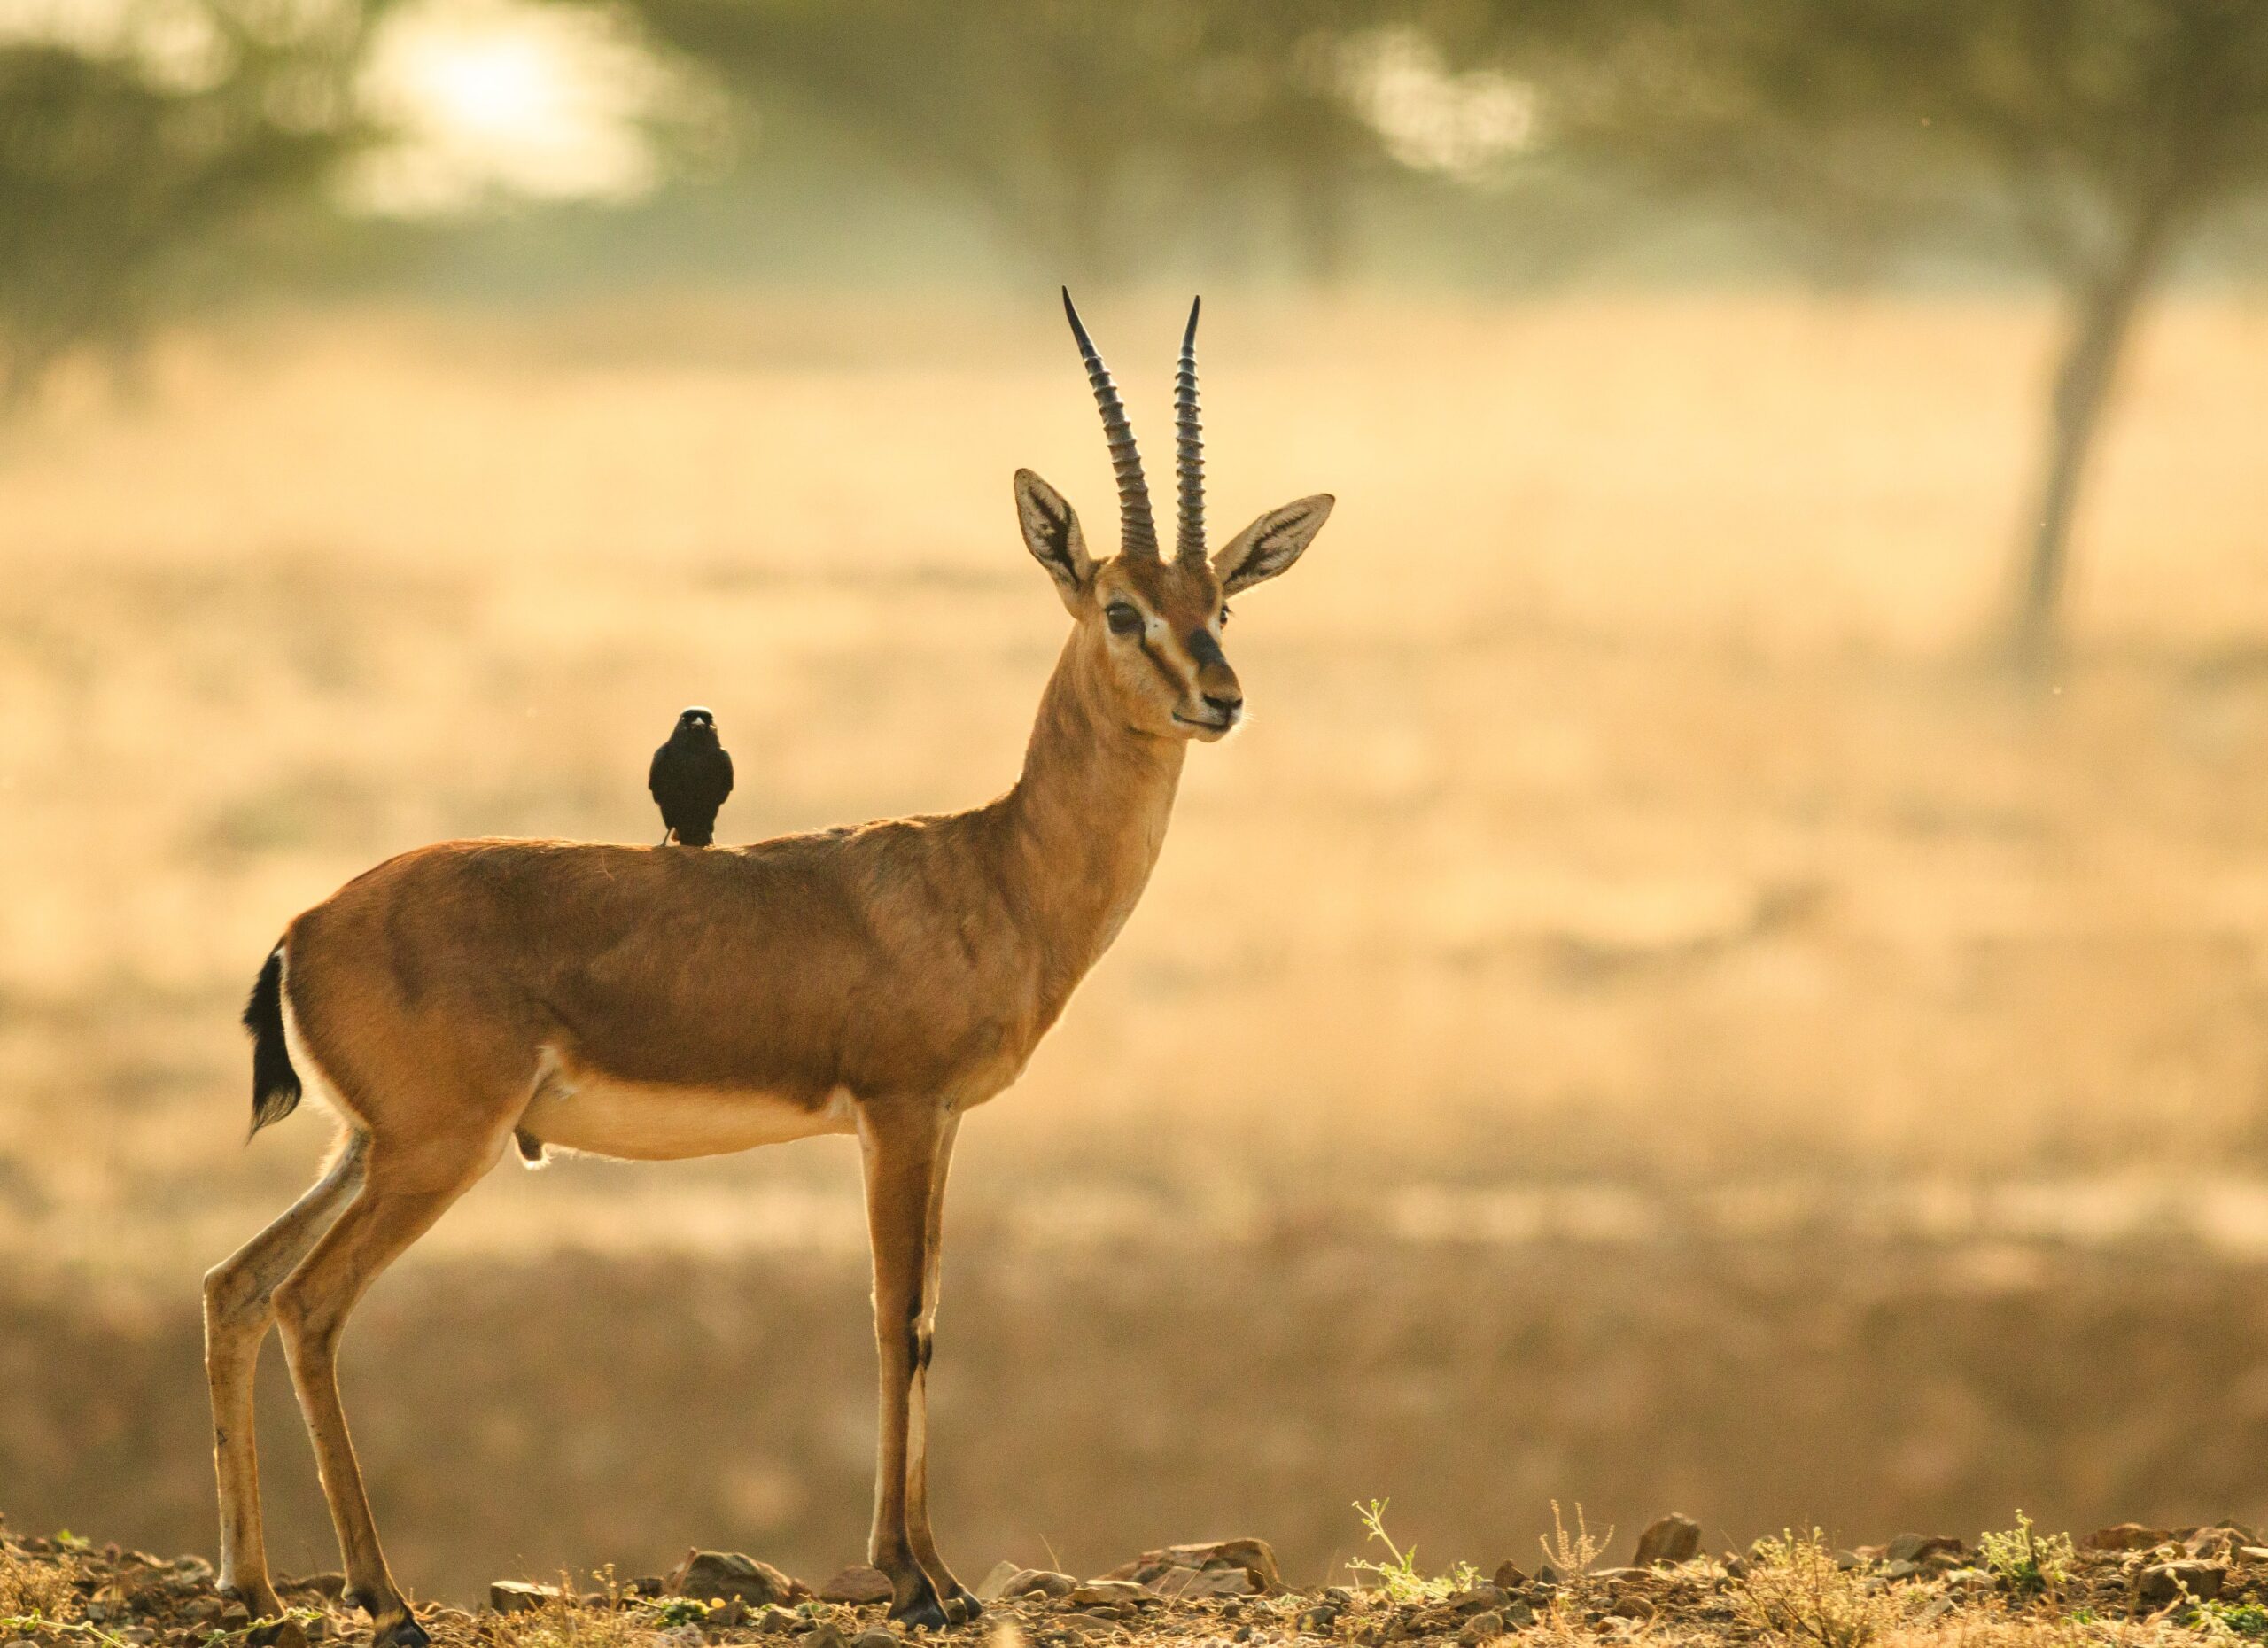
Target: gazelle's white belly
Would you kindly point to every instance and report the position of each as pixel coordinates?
(588, 1110)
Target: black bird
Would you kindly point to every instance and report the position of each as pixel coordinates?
(690, 778)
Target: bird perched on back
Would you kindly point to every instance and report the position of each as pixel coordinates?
(690, 778)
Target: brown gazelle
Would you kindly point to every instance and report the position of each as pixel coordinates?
(668, 1002)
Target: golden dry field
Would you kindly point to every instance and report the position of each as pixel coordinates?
(1644, 1013)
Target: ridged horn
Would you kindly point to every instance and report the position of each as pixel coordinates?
(1189, 446)
(1137, 532)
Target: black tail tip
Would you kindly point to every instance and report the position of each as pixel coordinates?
(274, 1083)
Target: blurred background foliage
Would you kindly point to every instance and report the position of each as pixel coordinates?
(160, 153)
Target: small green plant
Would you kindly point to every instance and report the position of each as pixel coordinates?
(2030, 1564)
(1572, 1556)
(2247, 1620)
(1397, 1577)
(669, 1612)
(1796, 1592)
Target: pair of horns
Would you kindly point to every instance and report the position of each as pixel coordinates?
(1137, 531)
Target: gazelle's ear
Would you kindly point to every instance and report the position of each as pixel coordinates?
(1271, 544)
(1053, 535)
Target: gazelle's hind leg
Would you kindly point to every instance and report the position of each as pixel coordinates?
(238, 1311)
(404, 1191)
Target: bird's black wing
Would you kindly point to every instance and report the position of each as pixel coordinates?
(724, 773)
(654, 772)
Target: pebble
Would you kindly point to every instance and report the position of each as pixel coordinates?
(873, 1637)
(519, 1596)
(1669, 1540)
(1483, 1627)
(2169, 1580)
(722, 1576)
(856, 1585)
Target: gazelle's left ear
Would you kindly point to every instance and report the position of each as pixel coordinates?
(1271, 544)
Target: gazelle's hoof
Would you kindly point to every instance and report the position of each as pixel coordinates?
(961, 1607)
(921, 1609)
(404, 1632)
(260, 1600)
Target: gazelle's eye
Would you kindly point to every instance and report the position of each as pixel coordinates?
(1124, 620)
(1224, 618)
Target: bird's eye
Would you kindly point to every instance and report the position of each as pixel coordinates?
(1123, 619)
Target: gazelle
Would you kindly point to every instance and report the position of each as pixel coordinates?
(659, 1003)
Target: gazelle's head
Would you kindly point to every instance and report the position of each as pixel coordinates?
(1149, 627)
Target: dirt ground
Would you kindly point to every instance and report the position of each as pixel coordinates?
(2126, 1583)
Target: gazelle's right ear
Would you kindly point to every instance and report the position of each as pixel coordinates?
(1053, 535)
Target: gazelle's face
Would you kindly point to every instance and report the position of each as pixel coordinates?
(1150, 626)
(1155, 628)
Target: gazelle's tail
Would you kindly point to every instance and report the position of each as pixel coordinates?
(274, 1083)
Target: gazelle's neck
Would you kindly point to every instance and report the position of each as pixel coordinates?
(1086, 822)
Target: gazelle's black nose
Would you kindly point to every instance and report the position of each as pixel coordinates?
(1226, 705)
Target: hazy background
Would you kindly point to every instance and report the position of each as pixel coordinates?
(1728, 972)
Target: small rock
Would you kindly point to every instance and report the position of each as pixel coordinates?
(1038, 1581)
(1319, 1620)
(1256, 1557)
(1518, 1613)
(234, 1614)
(1902, 1570)
(330, 1585)
(1108, 1593)
(1198, 1583)
(2167, 1582)
(1508, 1576)
(1481, 1599)
(1632, 1607)
(1920, 1548)
(1547, 1574)
(1672, 1539)
(822, 1636)
(857, 1584)
(778, 1623)
(519, 1596)
(141, 1635)
(989, 1588)
(1483, 1627)
(203, 1611)
(2126, 1536)
(873, 1637)
(720, 1575)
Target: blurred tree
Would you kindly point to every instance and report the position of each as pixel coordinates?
(1092, 134)
(129, 159)
(2090, 137)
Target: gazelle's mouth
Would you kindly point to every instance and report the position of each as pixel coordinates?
(1205, 725)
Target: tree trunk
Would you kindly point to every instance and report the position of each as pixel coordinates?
(2104, 305)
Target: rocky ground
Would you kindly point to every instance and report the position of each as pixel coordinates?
(2126, 1584)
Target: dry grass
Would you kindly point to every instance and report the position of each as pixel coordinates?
(1796, 1593)
(35, 1591)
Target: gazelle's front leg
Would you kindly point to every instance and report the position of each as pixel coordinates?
(958, 1602)
(902, 1143)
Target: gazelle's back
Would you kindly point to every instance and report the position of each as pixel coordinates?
(795, 970)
